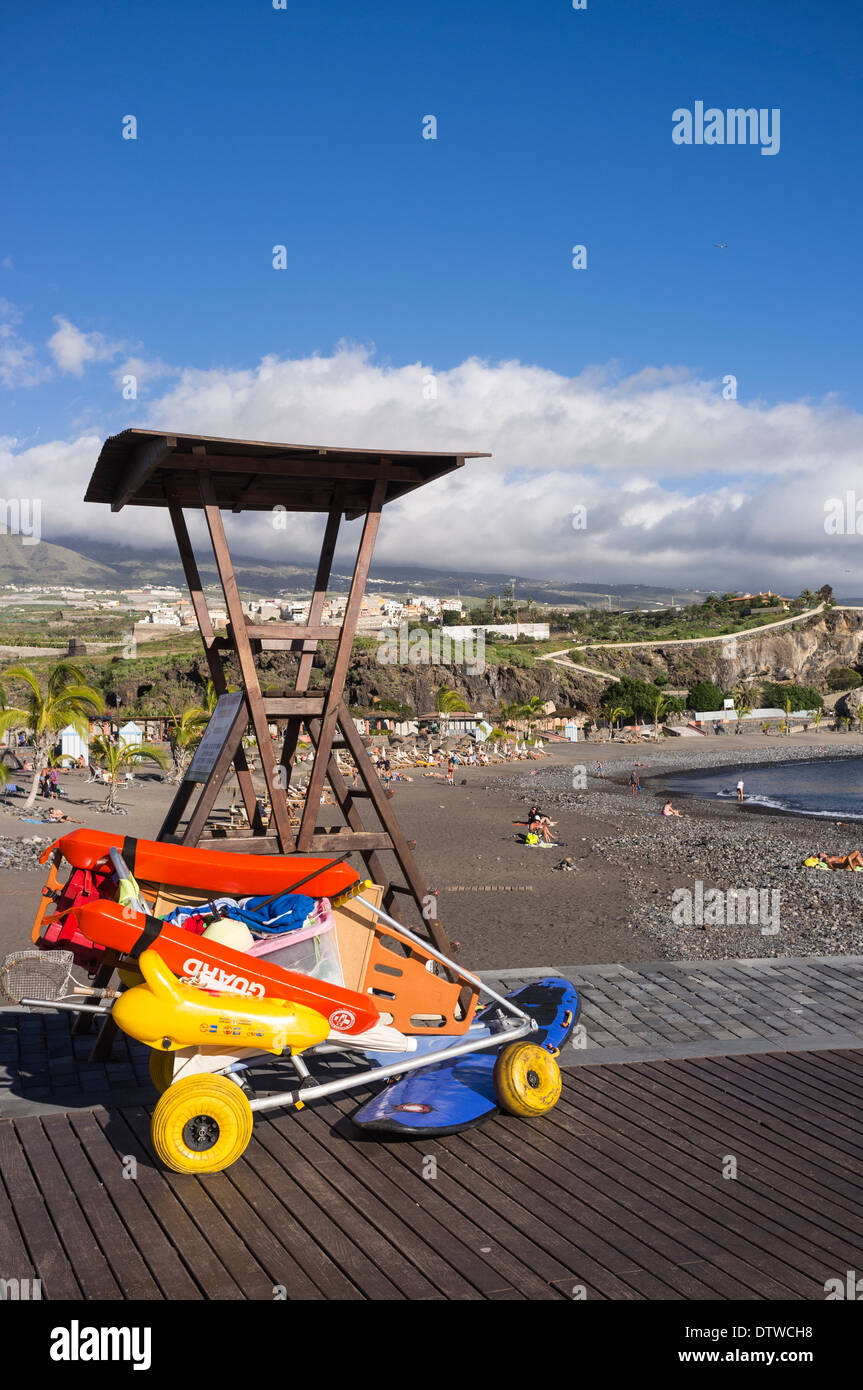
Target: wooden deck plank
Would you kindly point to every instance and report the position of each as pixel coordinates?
(759, 1220)
(591, 1178)
(682, 1104)
(618, 1191)
(420, 1264)
(623, 1249)
(355, 1243)
(215, 1281)
(155, 1245)
(51, 1261)
(497, 1270)
(786, 1144)
(589, 1256)
(472, 1202)
(314, 1263)
(838, 1077)
(418, 1196)
(734, 1086)
(800, 1097)
(193, 1194)
(109, 1232)
(784, 1198)
(91, 1268)
(652, 1172)
(34, 1251)
(471, 1191)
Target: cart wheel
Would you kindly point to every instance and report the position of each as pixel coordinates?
(201, 1124)
(161, 1069)
(526, 1079)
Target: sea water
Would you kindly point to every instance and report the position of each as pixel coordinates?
(833, 789)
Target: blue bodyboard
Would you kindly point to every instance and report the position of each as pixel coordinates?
(445, 1097)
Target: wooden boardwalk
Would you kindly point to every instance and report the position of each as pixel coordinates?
(617, 1194)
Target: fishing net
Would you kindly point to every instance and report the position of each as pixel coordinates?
(39, 975)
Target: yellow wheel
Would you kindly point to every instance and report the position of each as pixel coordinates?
(201, 1124)
(526, 1079)
(161, 1069)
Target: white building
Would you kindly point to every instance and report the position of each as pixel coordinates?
(538, 631)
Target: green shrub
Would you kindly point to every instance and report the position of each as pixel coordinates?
(704, 696)
(801, 697)
(843, 678)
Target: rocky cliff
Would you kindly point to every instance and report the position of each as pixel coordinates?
(803, 652)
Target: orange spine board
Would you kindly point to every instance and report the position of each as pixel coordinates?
(219, 872)
(221, 968)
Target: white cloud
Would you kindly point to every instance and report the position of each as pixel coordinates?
(72, 349)
(681, 486)
(18, 363)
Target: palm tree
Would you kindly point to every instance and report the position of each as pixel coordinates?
(615, 715)
(742, 707)
(817, 717)
(184, 735)
(119, 758)
(531, 710)
(513, 713)
(66, 699)
(659, 706)
(787, 708)
(447, 701)
(211, 695)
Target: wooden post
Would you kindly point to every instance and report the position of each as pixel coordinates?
(333, 700)
(211, 653)
(308, 648)
(243, 649)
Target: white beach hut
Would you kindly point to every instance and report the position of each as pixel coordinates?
(131, 734)
(72, 745)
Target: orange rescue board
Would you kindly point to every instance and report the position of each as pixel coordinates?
(185, 954)
(219, 872)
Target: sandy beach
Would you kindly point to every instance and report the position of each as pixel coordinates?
(510, 906)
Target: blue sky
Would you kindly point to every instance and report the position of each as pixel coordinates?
(303, 127)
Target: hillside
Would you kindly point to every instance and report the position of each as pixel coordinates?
(803, 653)
(46, 563)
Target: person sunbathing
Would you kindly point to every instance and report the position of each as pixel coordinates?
(55, 814)
(538, 823)
(668, 810)
(853, 860)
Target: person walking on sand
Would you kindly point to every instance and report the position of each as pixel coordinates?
(740, 789)
(634, 783)
(599, 772)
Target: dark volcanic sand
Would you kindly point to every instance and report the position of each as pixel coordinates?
(613, 908)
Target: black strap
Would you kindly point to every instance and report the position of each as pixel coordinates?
(152, 929)
(129, 851)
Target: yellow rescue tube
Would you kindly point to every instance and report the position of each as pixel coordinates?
(165, 1014)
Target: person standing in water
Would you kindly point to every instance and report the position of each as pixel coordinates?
(740, 789)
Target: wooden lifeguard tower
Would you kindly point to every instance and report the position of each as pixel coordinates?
(144, 468)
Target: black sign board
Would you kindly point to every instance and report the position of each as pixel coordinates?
(230, 710)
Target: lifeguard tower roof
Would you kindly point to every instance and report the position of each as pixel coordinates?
(147, 468)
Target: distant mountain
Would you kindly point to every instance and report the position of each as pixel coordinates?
(46, 563)
(116, 566)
